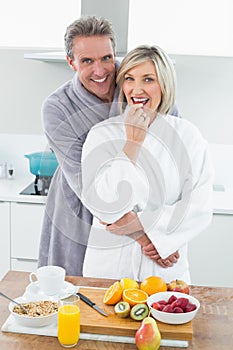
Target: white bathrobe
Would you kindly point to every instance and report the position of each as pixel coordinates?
(170, 187)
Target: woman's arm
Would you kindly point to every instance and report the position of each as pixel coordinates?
(112, 183)
(177, 224)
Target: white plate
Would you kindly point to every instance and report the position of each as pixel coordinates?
(33, 291)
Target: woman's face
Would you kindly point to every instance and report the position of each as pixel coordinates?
(141, 86)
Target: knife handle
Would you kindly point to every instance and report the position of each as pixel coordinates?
(85, 299)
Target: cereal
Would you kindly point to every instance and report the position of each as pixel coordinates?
(38, 308)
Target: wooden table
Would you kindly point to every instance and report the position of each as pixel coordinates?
(212, 327)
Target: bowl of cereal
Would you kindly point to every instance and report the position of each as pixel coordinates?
(40, 313)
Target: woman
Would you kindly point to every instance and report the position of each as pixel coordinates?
(150, 162)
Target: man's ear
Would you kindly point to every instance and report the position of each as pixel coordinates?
(71, 63)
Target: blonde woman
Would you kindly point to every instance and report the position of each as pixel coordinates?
(150, 162)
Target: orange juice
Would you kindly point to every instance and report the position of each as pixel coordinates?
(68, 325)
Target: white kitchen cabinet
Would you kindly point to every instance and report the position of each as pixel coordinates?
(5, 238)
(26, 222)
(211, 254)
(193, 27)
(23, 264)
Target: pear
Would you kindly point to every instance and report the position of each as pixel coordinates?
(148, 336)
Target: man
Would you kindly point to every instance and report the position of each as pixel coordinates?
(68, 114)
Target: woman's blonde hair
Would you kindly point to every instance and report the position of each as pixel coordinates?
(164, 69)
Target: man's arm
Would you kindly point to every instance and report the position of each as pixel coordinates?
(130, 223)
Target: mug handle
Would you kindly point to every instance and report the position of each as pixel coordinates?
(31, 277)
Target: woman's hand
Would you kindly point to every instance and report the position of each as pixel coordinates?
(136, 123)
(136, 126)
(151, 252)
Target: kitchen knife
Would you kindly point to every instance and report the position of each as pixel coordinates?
(90, 303)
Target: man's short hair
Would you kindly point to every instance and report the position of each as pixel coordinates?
(88, 26)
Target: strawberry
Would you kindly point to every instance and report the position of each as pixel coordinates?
(190, 307)
(178, 310)
(156, 306)
(167, 308)
(171, 299)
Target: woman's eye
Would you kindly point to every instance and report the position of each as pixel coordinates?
(148, 79)
(128, 78)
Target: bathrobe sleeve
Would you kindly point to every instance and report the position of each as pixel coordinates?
(178, 223)
(112, 184)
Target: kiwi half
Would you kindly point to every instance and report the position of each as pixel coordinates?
(139, 312)
(122, 309)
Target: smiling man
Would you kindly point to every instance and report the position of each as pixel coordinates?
(68, 115)
(94, 59)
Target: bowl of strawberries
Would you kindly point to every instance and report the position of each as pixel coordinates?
(173, 307)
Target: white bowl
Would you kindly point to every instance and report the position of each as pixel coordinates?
(172, 318)
(29, 321)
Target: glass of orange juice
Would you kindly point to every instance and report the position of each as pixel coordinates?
(69, 321)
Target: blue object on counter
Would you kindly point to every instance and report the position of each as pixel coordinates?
(42, 163)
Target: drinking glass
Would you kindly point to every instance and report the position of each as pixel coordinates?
(69, 321)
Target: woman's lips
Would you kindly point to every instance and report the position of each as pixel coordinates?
(142, 100)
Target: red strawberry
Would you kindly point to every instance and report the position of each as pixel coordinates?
(181, 302)
(178, 310)
(171, 299)
(190, 307)
(167, 308)
(156, 306)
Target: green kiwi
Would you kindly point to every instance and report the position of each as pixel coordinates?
(122, 309)
(139, 312)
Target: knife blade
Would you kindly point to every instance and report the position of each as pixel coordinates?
(91, 303)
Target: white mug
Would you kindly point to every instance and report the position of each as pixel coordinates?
(50, 279)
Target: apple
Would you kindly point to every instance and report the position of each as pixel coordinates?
(178, 286)
(148, 336)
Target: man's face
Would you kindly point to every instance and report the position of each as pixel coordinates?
(94, 60)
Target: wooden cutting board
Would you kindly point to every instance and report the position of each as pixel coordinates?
(93, 322)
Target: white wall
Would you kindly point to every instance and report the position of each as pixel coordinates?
(205, 94)
(194, 27)
(27, 23)
(24, 84)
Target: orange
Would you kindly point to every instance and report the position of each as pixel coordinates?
(134, 296)
(128, 283)
(113, 294)
(153, 284)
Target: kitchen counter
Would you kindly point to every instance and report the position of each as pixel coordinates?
(212, 327)
(10, 189)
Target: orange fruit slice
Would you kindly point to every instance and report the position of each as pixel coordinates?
(153, 284)
(134, 296)
(113, 294)
(128, 283)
